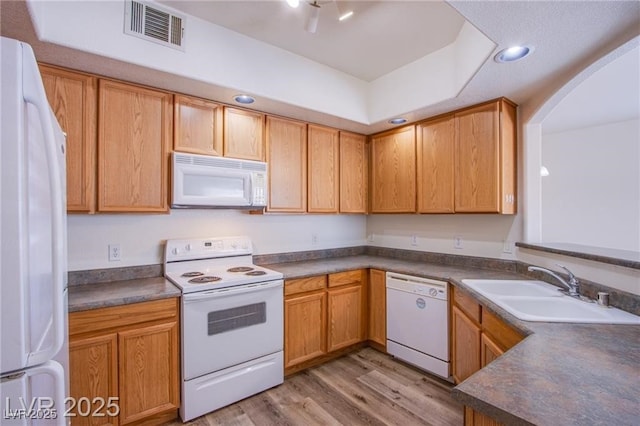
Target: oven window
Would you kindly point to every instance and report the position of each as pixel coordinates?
(234, 318)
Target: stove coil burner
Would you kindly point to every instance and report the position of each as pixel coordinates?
(191, 274)
(255, 273)
(204, 280)
(240, 269)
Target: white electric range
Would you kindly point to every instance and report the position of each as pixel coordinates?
(232, 322)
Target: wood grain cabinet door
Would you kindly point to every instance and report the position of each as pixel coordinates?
(354, 175)
(134, 136)
(287, 162)
(198, 126)
(323, 170)
(466, 345)
(93, 373)
(149, 371)
(73, 99)
(435, 171)
(345, 317)
(377, 307)
(393, 171)
(243, 134)
(486, 158)
(305, 331)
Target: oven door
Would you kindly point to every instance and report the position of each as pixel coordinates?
(225, 327)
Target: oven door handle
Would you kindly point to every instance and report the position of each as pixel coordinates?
(231, 291)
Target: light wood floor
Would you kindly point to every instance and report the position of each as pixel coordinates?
(364, 388)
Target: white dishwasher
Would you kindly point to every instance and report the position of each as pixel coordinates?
(418, 322)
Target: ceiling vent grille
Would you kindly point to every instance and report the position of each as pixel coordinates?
(154, 23)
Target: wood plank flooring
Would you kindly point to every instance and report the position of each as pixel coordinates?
(363, 388)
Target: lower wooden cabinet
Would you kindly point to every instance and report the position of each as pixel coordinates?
(128, 356)
(322, 315)
(478, 338)
(377, 308)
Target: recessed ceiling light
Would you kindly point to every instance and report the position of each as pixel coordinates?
(293, 3)
(398, 120)
(243, 99)
(513, 53)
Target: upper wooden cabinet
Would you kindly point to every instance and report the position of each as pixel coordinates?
(243, 134)
(287, 161)
(72, 97)
(435, 149)
(134, 138)
(323, 170)
(393, 171)
(354, 176)
(486, 158)
(198, 126)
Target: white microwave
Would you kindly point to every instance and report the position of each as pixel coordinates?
(202, 181)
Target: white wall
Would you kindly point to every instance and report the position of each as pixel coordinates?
(141, 236)
(483, 235)
(592, 195)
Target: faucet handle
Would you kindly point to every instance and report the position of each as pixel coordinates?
(572, 278)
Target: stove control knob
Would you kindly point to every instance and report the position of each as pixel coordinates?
(234, 245)
(187, 247)
(245, 246)
(175, 251)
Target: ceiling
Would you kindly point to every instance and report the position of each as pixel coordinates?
(365, 45)
(380, 38)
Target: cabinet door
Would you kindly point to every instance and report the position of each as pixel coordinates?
(354, 175)
(435, 171)
(489, 350)
(478, 159)
(93, 373)
(323, 170)
(466, 345)
(377, 307)
(393, 172)
(305, 329)
(134, 136)
(72, 97)
(198, 126)
(243, 134)
(148, 371)
(344, 317)
(287, 161)
(474, 418)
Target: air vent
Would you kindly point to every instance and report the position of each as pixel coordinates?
(221, 162)
(154, 23)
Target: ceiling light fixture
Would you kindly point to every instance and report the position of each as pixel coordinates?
(312, 19)
(244, 99)
(293, 3)
(512, 54)
(398, 120)
(343, 14)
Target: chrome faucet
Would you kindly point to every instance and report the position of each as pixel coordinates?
(573, 286)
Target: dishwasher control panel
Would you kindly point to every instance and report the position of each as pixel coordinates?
(421, 286)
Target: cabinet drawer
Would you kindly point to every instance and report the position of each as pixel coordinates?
(122, 316)
(500, 332)
(302, 285)
(344, 278)
(467, 304)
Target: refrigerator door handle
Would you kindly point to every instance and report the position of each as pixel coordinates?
(34, 94)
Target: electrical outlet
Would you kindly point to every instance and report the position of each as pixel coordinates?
(507, 247)
(314, 239)
(114, 253)
(372, 238)
(414, 240)
(457, 243)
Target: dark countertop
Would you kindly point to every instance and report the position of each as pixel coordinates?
(101, 295)
(564, 374)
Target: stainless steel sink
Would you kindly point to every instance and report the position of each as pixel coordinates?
(531, 300)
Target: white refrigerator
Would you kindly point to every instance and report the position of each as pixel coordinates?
(33, 291)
